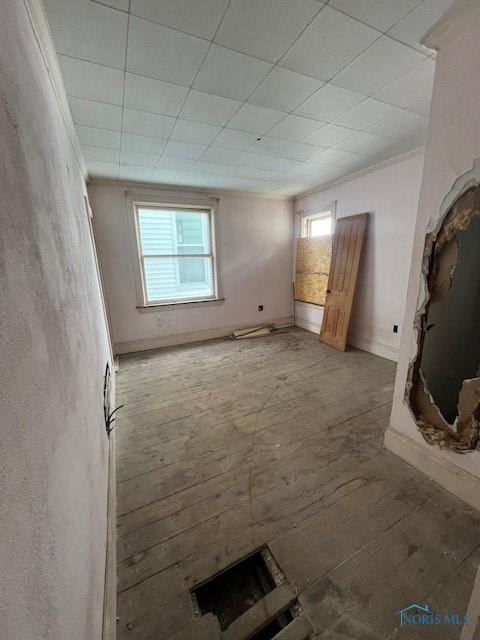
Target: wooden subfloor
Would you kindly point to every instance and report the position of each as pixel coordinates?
(229, 445)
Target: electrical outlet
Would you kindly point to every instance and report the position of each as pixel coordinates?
(260, 307)
(395, 328)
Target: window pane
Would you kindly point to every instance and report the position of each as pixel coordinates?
(320, 227)
(178, 278)
(169, 232)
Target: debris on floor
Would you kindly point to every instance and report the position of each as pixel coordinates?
(259, 332)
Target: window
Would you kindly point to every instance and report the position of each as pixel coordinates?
(176, 253)
(316, 225)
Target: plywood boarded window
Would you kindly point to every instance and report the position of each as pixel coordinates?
(314, 253)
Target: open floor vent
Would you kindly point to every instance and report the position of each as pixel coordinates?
(252, 601)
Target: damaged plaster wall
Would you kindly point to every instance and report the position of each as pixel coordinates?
(54, 347)
(453, 144)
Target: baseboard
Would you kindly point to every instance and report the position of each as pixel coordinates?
(461, 483)
(192, 336)
(314, 327)
(375, 347)
(110, 594)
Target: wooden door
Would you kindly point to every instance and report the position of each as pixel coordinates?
(347, 249)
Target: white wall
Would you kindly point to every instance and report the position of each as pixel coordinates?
(453, 143)
(54, 347)
(255, 250)
(390, 195)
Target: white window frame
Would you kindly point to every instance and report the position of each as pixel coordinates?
(210, 206)
(327, 211)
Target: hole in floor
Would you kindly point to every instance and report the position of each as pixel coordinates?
(229, 594)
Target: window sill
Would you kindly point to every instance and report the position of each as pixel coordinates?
(180, 304)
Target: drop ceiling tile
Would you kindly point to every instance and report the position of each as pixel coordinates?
(162, 53)
(122, 5)
(299, 151)
(255, 119)
(147, 94)
(138, 159)
(335, 157)
(292, 189)
(142, 144)
(132, 172)
(230, 74)
(220, 155)
(169, 163)
(98, 137)
(147, 124)
(265, 28)
(284, 90)
(231, 139)
(416, 24)
(196, 132)
(197, 17)
(102, 169)
(330, 42)
(205, 107)
(101, 154)
(294, 128)
(364, 114)
(91, 81)
(398, 124)
(328, 102)
(381, 14)
(328, 135)
(412, 90)
(384, 61)
(252, 161)
(269, 146)
(281, 164)
(96, 114)
(365, 144)
(89, 31)
(185, 150)
(165, 176)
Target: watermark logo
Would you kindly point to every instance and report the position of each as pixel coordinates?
(420, 614)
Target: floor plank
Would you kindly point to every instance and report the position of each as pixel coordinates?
(225, 446)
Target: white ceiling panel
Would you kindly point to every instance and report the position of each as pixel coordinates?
(96, 114)
(170, 163)
(412, 90)
(142, 144)
(165, 176)
(381, 14)
(205, 107)
(162, 53)
(101, 154)
(197, 17)
(328, 102)
(328, 135)
(139, 159)
(255, 119)
(364, 114)
(89, 31)
(220, 155)
(196, 132)
(95, 137)
(92, 81)
(185, 150)
(398, 124)
(284, 90)
(269, 146)
(102, 169)
(133, 172)
(384, 61)
(147, 94)
(122, 5)
(298, 151)
(147, 124)
(265, 28)
(294, 128)
(231, 139)
(335, 157)
(365, 143)
(330, 42)
(415, 25)
(281, 164)
(230, 74)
